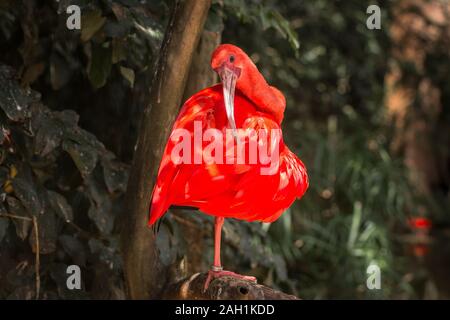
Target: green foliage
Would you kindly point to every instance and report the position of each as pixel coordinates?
(358, 198)
(92, 71)
(64, 177)
(264, 16)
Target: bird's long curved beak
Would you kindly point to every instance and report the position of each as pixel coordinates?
(229, 76)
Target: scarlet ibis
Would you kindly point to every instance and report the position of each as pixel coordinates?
(245, 104)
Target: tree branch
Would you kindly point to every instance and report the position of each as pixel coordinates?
(143, 273)
(225, 288)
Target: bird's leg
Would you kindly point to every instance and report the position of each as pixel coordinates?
(218, 223)
(217, 270)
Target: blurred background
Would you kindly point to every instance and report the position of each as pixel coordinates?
(367, 112)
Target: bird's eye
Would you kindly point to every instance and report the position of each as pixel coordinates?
(232, 58)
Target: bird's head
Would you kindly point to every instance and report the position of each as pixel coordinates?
(228, 57)
(237, 70)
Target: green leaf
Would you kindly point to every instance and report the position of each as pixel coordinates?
(128, 74)
(60, 205)
(100, 210)
(101, 215)
(100, 65)
(47, 233)
(284, 28)
(356, 222)
(84, 156)
(13, 99)
(25, 190)
(119, 50)
(48, 137)
(17, 209)
(91, 22)
(116, 176)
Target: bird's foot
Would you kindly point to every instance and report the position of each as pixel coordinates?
(217, 272)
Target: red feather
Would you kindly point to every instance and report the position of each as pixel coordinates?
(227, 190)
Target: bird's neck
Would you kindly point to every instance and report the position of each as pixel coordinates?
(266, 98)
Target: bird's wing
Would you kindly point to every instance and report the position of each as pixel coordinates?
(171, 176)
(250, 192)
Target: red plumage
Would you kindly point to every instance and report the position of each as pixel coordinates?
(228, 190)
(227, 187)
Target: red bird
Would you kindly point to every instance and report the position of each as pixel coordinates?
(202, 167)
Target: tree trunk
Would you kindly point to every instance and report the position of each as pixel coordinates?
(144, 275)
(415, 100)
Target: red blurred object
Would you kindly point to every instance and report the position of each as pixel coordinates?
(420, 250)
(420, 223)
